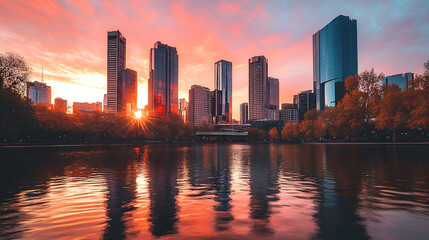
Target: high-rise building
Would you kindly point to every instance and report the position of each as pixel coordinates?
(258, 87)
(116, 63)
(273, 99)
(244, 113)
(335, 58)
(129, 91)
(223, 85)
(273, 93)
(39, 92)
(163, 80)
(399, 79)
(86, 107)
(199, 106)
(60, 105)
(306, 101)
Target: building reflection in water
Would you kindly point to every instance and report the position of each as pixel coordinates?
(222, 187)
(162, 170)
(209, 174)
(338, 202)
(263, 188)
(120, 169)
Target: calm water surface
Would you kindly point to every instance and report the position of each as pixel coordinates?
(255, 191)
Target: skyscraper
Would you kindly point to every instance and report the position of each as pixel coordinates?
(129, 91)
(39, 92)
(244, 113)
(116, 63)
(258, 87)
(163, 80)
(273, 99)
(334, 59)
(223, 85)
(199, 106)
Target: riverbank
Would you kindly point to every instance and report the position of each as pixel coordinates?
(87, 144)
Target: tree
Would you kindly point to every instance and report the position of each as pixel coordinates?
(393, 113)
(309, 126)
(274, 134)
(287, 131)
(14, 72)
(417, 100)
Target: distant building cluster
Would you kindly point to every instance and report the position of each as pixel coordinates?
(334, 59)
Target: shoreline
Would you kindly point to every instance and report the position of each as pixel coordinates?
(42, 145)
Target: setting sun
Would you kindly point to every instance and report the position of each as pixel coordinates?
(138, 114)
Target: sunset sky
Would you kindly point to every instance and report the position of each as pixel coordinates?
(69, 39)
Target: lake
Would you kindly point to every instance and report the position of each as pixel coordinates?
(216, 191)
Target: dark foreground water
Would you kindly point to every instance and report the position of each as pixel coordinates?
(218, 191)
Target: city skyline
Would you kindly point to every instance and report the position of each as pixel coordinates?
(74, 59)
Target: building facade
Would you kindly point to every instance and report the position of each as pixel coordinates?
(163, 80)
(39, 92)
(258, 87)
(399, 79)
(86, 107)
(289, 115)
(183, 109)
(116, 63)
(244, 113)
(60, 105)
(306, 101)
(223, 87)
(273, 93)
(129, 91)
(335, 58)
(199, 106)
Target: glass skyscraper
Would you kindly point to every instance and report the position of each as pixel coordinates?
(399, 79)
(116, 63)
(163, 80)
(223, 84)
(334, 59)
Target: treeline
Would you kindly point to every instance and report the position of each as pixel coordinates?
(23, 122)
(369, 111)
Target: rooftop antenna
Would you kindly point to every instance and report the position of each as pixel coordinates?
(42, 75)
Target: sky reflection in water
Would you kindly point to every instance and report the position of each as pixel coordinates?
(215, 190)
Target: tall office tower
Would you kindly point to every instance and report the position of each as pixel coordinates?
(306, 102)
(335, 58)
(223, 84)
(399, 79)
(258, 87)
(199, 106)
(163, 80)
(39, 92)
(116, 63)
(60, 105)
(244, 113)
(273, 93)
(129, 91)
(273, 99)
